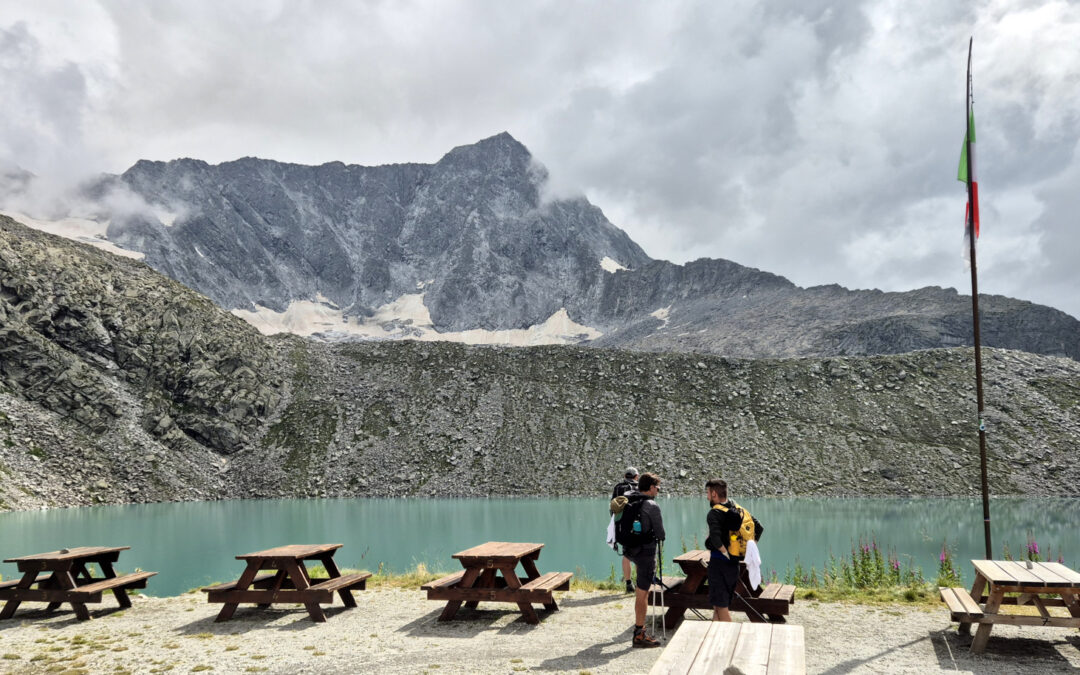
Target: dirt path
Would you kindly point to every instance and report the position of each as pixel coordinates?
(395, 631)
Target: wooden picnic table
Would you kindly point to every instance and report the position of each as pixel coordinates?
(69, 580)
(289, 582)
(701, 647)
(769, 602)
(1044, 584)
(490, 575)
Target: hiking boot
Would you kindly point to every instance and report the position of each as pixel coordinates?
(629, 586)
(643, 639)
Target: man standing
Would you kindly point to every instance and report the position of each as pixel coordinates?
(627, 485)
(649, 524)
(723, 567)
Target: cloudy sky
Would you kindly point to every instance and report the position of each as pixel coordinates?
(812, 139)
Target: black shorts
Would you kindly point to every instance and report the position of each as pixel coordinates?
(645, 563)
(723, 576)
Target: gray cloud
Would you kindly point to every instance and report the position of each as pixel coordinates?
(817, 140)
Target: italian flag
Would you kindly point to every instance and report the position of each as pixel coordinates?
(973, 206)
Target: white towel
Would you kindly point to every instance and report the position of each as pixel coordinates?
(611, 534)
(753, 564)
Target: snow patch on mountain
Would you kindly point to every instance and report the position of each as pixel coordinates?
(82, 230)
(406, 318)
(662, 314)
(610, 265)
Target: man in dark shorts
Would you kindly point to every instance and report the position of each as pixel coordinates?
(644, 556)
(723, 568)
(627, 485)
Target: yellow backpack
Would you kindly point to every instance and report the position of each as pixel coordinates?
(750, 530)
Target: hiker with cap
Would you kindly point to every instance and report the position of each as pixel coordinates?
(639, 530)
(627, 485)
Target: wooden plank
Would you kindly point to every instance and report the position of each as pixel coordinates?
(1062, 571)
(229, 585)
(1013, 600)
(752, 650)
(993, 573)
(718, 647)
(70, 554)
(292, 551)
(787, 653)
(786, 594)
(951, 601)
(133, 580)
(960, 602)
(1028, 620)
(679, 654)
(268, 597)
(48, 595)
(343, 581)
(550, 581)
(982, 634)
(770, 591)
(448, 580)
(1020, 573)
(1049, 577)
(498, 551)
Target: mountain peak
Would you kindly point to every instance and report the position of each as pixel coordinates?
(500, 150)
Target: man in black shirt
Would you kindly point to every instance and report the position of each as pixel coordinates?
(723, 567)
(644, 556)
(626, 485)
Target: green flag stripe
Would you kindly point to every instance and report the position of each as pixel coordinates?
(962, 173)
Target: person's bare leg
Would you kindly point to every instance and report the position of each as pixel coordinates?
(641, 605)
(626, 569)
(721, 614)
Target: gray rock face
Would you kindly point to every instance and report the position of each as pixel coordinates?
(119, 385)
(472, 232)
(470, 229)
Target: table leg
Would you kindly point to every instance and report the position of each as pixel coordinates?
(695, 575)
(242, 584)
(993, 603)
(976, 592)
(529, 565)
(467, 581)
(275, 585)
(108, 572)
(333, 571)
(512, 581)
(487, 580)
(298, 574)
(67, 582)
(11, 605)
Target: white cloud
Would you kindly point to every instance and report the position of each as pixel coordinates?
(816, 140)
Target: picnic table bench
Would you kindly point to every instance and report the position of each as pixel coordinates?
(289, 582)
(490, 576)
(69, 580)
(712, 646)
(994, 578)
(769, 602)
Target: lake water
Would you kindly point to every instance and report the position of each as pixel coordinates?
(191, 544)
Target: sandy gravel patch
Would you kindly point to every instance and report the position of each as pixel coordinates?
(395, 631)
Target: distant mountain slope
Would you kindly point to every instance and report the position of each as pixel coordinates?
(467, 249)
(470, 231)
(120, 385)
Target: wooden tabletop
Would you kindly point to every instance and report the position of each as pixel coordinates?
(70, 554)
(712, 646)
(498, 551)
(292, 551)
(1014, 573)
(694, 556)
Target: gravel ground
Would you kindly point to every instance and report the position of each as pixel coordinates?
(395, 631)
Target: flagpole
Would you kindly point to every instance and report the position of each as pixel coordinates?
(975, 315)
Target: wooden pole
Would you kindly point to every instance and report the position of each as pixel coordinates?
(975, 316)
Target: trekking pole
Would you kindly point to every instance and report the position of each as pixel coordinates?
(663, 605)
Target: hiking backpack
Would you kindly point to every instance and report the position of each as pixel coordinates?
(750, 530)
(629, 530)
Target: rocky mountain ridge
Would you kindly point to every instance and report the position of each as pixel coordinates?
(118, 385)
(470, 249)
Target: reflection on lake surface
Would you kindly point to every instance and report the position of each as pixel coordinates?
(192, 544)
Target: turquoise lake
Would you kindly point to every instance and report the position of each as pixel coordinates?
(191, 544)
